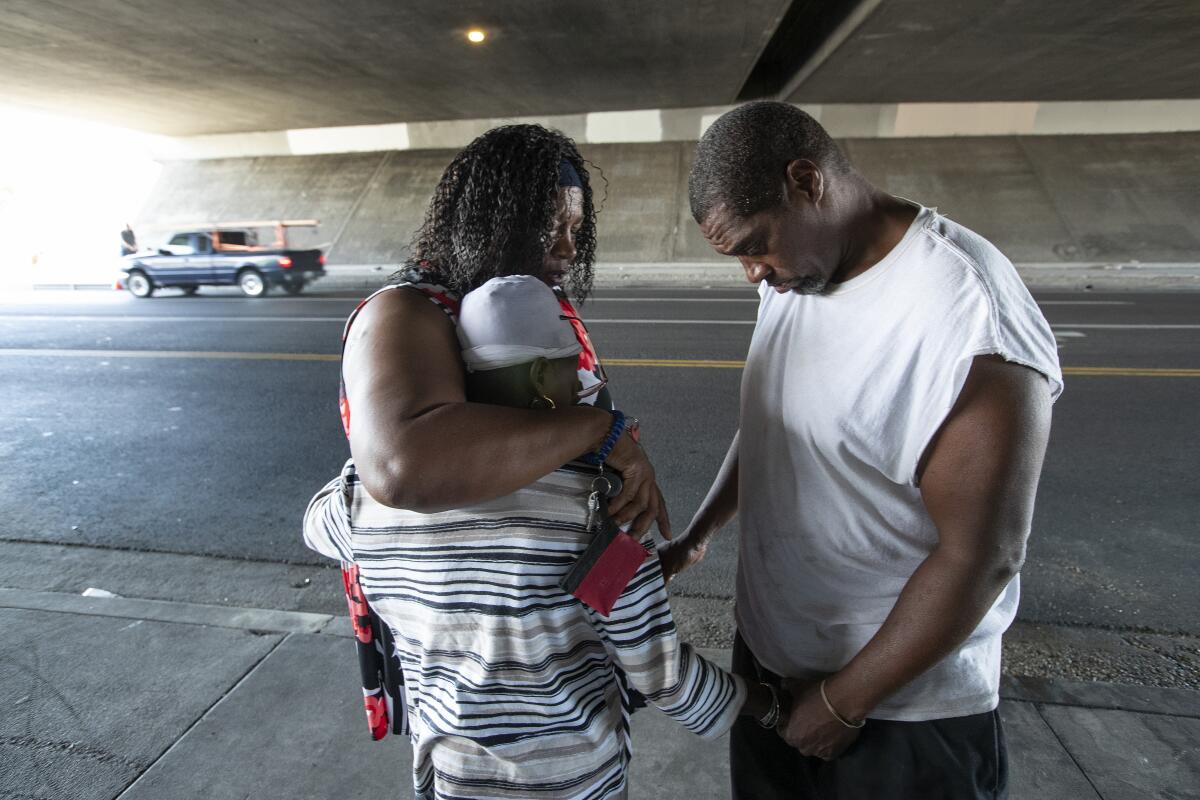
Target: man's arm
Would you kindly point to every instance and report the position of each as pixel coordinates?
(978, 480)
(718, 508)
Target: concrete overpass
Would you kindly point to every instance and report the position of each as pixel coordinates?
(215, 66)
(987, 109)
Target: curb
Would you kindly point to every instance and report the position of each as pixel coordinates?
(1123, 276)
(247, 619)
(1108, 696)
(1092, 276)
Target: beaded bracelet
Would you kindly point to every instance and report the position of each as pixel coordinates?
(614, 433)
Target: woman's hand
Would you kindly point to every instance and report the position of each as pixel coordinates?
(640, 502)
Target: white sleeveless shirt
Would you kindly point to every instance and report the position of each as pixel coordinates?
(841, 395)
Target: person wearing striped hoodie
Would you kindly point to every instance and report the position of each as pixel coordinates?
(515, 687)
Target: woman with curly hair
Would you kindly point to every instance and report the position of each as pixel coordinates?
(516, 201)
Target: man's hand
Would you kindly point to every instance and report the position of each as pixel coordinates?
(810, 728)
(680, 554)
(689, 549)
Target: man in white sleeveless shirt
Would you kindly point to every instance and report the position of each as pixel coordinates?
(895, 410)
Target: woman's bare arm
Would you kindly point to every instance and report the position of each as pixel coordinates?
(419, 445)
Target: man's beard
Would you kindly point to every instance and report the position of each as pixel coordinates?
(810, 284)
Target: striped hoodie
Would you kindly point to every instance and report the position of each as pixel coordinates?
(514, 688)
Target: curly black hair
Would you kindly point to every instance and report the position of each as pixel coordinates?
(493, 211)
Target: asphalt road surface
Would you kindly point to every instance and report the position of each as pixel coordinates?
(201, 425)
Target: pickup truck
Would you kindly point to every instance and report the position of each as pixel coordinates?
(223, 255)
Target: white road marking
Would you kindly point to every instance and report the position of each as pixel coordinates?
(186, 354)
(1126, 327)
(339, 320)
(588, 320)
(590, 300)
(351, 301)
(156, 318)
(604, 321)
(1072, 325)
(1165, 372)
(754, 300)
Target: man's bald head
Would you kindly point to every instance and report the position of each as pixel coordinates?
(742, 158)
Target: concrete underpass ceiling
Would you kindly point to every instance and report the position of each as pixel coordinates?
(217, 66)
(1011, 50)
(224, 66)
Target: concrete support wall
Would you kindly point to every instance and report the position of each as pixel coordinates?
(1042, 199)
(1055, 198)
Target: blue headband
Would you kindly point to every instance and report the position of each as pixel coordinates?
(568, 175)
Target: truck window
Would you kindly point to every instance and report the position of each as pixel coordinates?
(202, 243)
(180, 238)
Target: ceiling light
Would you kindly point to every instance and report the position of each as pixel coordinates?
(476, 36)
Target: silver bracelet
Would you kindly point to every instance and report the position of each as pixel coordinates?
(838, 716)
(772, 716)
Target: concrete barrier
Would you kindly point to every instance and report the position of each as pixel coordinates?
(1042, 199)
(391, 208)
(1100, 276)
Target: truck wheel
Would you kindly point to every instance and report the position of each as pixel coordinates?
(251, 282)
(293, 287)
(139, 285)
(190, 290)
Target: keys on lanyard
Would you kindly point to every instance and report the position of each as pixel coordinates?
(603, 487)
(610, 558)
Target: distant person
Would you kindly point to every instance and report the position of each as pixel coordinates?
(895, 409)
(128, 241)
(515, 687)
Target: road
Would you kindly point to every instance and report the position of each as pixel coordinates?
(201, 425)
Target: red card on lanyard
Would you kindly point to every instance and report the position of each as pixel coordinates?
(605, 568)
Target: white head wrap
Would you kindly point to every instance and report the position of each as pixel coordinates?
(513, 320)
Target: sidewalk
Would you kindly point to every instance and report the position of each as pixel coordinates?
(152, 700)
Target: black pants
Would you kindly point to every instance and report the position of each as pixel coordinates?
(961, 758)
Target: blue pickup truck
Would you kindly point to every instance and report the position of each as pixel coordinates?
(227, 255)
